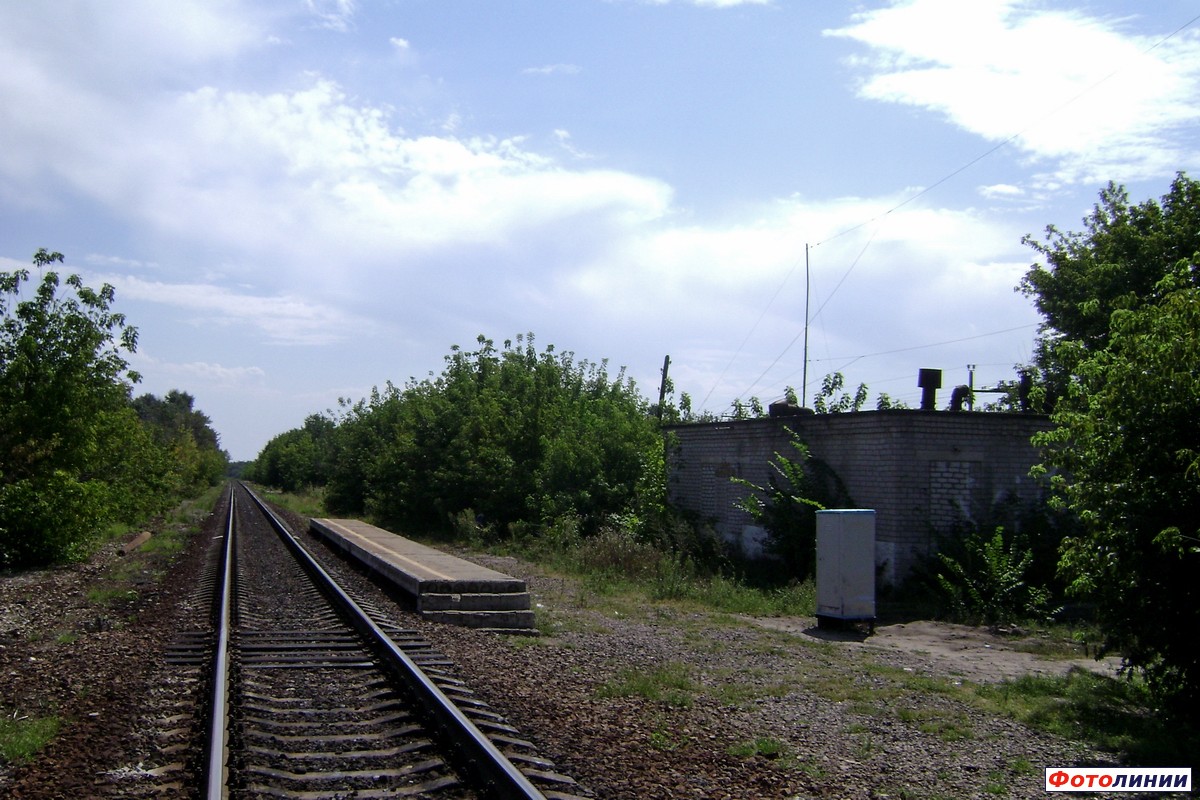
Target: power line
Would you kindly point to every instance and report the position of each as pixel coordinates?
(934, 344)
(1070, 101)
(954, 173)
(753, 328)
(850, 360)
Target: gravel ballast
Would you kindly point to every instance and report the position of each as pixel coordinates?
(632, 700)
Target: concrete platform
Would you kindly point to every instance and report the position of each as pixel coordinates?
(445, 587)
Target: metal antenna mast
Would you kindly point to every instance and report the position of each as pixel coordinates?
(804, 374)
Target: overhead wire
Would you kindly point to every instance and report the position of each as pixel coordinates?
(753, 328)
(796, 338)
(954, 173)
(850, 360)
(1053, 112)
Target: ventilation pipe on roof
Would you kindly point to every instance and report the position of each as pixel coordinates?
(930, 380)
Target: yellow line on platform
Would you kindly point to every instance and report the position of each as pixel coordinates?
(398, 555)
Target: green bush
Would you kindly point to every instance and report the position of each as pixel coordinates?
(75, 455)
(985, 580)
(54, 518)
(518, 437)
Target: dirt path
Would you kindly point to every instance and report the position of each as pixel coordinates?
(946, 650)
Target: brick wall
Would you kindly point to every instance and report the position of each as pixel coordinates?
(921, 471)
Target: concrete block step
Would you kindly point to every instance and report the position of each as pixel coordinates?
(512, 631)
(483, 619)
(473, 601)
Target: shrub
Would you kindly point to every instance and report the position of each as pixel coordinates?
(985, 580)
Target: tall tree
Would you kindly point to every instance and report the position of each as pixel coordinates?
(1116, 262)
(64, 382)
(1120, 358)
(513, 436)
(187, 433)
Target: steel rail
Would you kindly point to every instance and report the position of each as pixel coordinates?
(215, 774)
(473, 753)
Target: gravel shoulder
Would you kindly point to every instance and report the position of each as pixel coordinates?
(758, 708)
(633, 700)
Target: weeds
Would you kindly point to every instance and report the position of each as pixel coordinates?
(21, 737)
(987, 582)
(307, 503)
(1114, 714)
(663, 739)
(670, 684)
(764, 747)
(110, 595)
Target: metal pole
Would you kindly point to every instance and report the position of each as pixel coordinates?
(662, 387)
(804, 376)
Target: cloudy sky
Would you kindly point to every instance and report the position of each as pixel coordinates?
(299, 200)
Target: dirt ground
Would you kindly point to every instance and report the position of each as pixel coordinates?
(947, 650)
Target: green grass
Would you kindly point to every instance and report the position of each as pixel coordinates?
(667, 740)
(670, 684)
(734, 690)
(1114, 714)
(22, 737)
(168, 542)
(309, 503)
(1060, 641)
(615, 565)
(110, 595)
(764, 747)
(149, 563)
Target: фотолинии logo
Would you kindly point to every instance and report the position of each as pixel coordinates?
(1118, 779)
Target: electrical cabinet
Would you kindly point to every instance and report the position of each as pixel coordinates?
(845, 565)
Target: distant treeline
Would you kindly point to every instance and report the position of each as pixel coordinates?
(509, 439)
(77, 452)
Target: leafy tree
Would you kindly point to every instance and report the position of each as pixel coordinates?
(1127, 454)
(187, 433)
(1118, 362)
(833, 399)
(75, 453)
(1115, 263)
(64, 382)
(517, 437)
(298, 458)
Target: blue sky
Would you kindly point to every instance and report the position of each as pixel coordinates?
(297, 201)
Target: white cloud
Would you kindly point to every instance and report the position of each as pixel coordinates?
(206, 374)
(563, 137)
(336, 15)
(103, 261)
(1001, 191)
(284, 319)
(307, 177)
(402, 51)
(552, 69)
(911, 278)
(1080, 91)
(889, 261)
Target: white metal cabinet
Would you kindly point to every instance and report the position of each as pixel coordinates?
(845, 565)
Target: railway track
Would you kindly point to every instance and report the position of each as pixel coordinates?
(313, 693)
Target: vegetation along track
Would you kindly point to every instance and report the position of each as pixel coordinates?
(326, 696)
